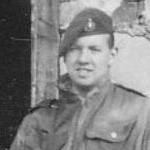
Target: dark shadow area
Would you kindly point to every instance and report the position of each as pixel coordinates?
(15, 78)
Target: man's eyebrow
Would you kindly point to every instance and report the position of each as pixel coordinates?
(75, 46)
(94, 46)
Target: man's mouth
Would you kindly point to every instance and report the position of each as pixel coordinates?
(82, 72)
(84, 69)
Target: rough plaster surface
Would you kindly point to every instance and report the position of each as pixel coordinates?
(132, 65)
(147, 9)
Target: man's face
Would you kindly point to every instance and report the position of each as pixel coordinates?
(88, 60)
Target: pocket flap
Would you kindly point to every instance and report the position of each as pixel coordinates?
(109, 131)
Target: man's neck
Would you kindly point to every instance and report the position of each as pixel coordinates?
(83, 91)
(86, 91)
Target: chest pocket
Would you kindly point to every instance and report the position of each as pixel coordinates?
(110, 131)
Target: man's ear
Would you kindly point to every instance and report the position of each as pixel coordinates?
(114, 52)
(63, 59)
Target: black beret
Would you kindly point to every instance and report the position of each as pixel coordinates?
(90, 21)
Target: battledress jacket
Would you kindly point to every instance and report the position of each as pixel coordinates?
(115, 118)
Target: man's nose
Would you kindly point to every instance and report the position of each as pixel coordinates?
(83, 56)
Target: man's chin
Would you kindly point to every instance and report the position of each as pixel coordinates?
(84, 83)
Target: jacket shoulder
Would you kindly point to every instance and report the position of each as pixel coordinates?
(37, 124)
(48, 104)
(129, 92)
(129, 99)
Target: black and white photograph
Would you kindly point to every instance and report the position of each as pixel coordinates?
(75, 75)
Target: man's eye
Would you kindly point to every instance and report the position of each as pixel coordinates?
(95, 49)
(74, 48)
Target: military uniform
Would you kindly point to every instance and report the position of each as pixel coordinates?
(111, 117)
(115, 118)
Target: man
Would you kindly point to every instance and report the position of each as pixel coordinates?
(92, 113)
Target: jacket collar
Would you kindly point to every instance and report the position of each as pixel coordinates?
(66, 85)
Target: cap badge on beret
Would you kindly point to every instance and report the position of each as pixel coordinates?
(90, 26)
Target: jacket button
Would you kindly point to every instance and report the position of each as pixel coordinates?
(114, 135)
(54, 106)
